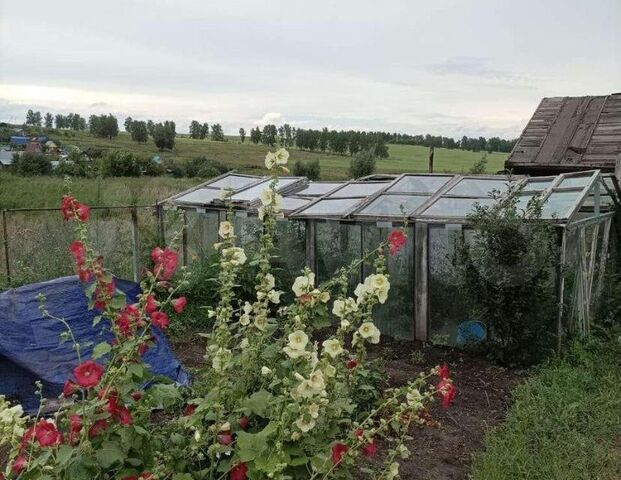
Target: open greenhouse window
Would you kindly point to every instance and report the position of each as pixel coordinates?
(479, 187)
(234, 182)
(253, 192)
(426, 184)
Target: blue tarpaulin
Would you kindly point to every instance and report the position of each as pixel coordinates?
(30, 349)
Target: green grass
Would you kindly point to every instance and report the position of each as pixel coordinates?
(565, 422)
(248, 157)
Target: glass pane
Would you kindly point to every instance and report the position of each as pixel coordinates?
(331, 207)
(419, 184)
(396, 317)
(478, 187)
(558, 204)
(522, 201)
(233, 182)
(337, 246)
(536, 185)
(293, 203)
(290, 254)
(247, 229)
(575, 181)
(391, 204)
(362, 189)
(448, 307)
(455, 207)
(253, 193)
(315, 189)
(202, 196)
(202, 234)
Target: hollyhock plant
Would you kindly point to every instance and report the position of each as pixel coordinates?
(47, 434)
(446, 391)
(88, 374)
(396, 241)
(239, 472)
(179, 304)
(337, 452)
(160, 319)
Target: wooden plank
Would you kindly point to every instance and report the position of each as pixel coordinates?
(421, 281)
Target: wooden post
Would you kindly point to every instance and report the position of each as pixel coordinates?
(5, 234)
(560, 283)
(184, 237)
(421, 281)
(135, 244)
(430, 159)
(618, 168)
(311, 245)
(159, 213)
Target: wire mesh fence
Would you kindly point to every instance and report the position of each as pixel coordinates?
(34, 243)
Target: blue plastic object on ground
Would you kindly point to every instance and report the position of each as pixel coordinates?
(30, 349)
(470, 332)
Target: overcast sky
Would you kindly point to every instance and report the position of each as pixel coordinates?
(450, 67)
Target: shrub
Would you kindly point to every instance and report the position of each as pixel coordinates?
(28, 164)
(310, 170)
(480, 166)
(362, 164)
(121, 164)
(204, 167)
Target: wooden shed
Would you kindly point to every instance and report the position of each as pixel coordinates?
(570, 134)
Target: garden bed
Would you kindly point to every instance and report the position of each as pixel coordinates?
(444, 452)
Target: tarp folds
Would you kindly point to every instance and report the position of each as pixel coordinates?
(30, 347)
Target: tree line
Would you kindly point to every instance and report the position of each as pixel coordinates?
(475, 144)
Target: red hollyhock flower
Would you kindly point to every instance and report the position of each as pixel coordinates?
(151, 304)
(83, 212)
(124, 324)
(78, 252)
(84, 275)
(351, 364)
(142, 348)
(75, 426)
(165, 262)
(370, 449)
(244, 422)
(338, 450)
(97, 427)
(160, 319)
(239, 472)
(28, 437)
(68, 388)
(124, 416)
(104, 293)
(396, 241)
(67, 207)
(113, 404)
(18, 465)
(47, 434)
(189, 409)
(447, 391)
(136, 396)
(225, 438)
(179, 304)
(88, 374)
(443, 372)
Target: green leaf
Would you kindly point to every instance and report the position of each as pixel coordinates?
(109, 454)
(96, 320)
(258, 402)
(118, 301)
(136, 370)
(63, 454)
(83, 468)
(250, 446)
(101, 349)
(182, 476)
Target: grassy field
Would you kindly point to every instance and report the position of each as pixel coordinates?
(565, 422)
(248, 157)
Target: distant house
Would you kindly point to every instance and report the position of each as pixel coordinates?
(34, 146)
(570, 134)
(6, 158)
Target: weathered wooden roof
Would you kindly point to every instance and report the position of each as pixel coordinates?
(568, 134)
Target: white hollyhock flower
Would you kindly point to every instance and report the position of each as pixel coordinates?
(303, 284)
(317, 381)
(225, 193)
(298, 340)
(261, 213)
(226, 229)
(305, 423)
(247, 308)
(370, 332)
(265, 371)
(378, 285)
(273, 296)
(267, 197)
(235, 255)
(415, 399)
(332, 347)
(281, 156)
(244, 319)
(260, 322)
(393, 471)
(329, 370)
(313, 410)
(269, 281)
(270, 160)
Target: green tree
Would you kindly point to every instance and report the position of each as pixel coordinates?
(310, 170)
(255, 135)
(216, 132)
(269, 134)
(150, 127)
(59, 121)
(362, 164)
(242, 134)
(195, 129)
(204, 131)
(128, 124)
(164, 135)
(104, 126)
(33, 118)
(139, 131)
(49, 120)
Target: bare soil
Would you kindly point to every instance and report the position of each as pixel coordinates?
(445, 451)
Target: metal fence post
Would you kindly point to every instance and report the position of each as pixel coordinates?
(135, 244)
(6, 247)
(159, 212)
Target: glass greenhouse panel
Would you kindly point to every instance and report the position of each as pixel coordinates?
(559, 204)
(337, 246)
(390, 205)
(247, 230)
(290, 254)
(570, 182)
(253, 193)
(448, 307)
(536, 185)
(315, 189)
(202, 233)
(233, 182)
(293, 203)
(419, 184)
(478, 187)
(202, 196)
(396, 317)
(332, 206)
(362, 189)
(455, 207)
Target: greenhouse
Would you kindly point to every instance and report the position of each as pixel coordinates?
(327, 225)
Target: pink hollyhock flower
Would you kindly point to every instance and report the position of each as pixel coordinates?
(244, 422)
(67, 207)
(97, 427)
(47, 434)
(443, 372)
(165, 262)
(68, 388)
(160, 319)
(179, 304)
(370, 449)
(351, 364)
(396, 241)
(151, 304)
(239, 472)
(83, 212)
(78, 252)
(84, 275)
(156, 255)
(338, 450)
(447, 392)
(27, 437)
(75, 426)
(88, 374)
(18, 465)
(225, 438)
(124, 416)
(123, 323)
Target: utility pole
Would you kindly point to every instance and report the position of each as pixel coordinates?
(431, 159)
